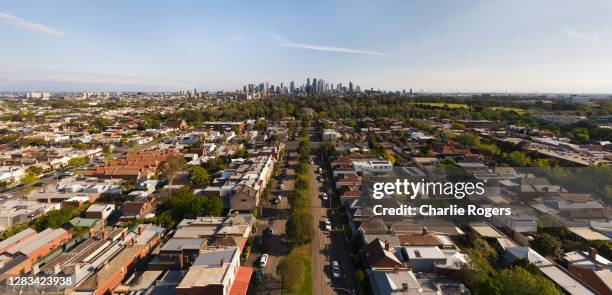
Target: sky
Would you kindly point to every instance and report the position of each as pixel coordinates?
(434, 46)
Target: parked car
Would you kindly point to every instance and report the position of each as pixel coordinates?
(275, 201)
(269, 231)
(324, 196)
(327, 225)
(336, 269)
(263, 261)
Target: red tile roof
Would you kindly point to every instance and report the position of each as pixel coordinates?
(241, 282)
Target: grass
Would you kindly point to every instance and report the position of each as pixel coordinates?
(443, 104)
(509, 109)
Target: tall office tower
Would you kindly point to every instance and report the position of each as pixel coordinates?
(358, 89)
(307, 88)
(350, 87)
(313, 87)
(339, 87)
(281, 86)
(291, 87)
(244, 89)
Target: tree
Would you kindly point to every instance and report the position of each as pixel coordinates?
(458, 126)
(389, 157)
(212, 206)
(35, 170)
(199, 176)
(300, 228)
(518, 280)
(468, 140)
(29, 178)
(77, 162)
(170, 168)
(57, 218)
(546, 245)
(292, 270)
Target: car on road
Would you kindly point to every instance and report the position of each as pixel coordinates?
(39, 184)
(327, 225)
(319, 170)
(321, 179)
(269, 231)
(311, 161)
(263, 261)
(282, 186)
(336, 269)
(276, 200)
(324, 196)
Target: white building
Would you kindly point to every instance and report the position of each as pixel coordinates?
(21, 211)
(330, 135)
(11, 173)
(372, 166)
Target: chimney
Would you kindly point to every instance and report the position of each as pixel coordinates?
(56, 269)
(592, 253)
(35, 269)
(77, 267)
(140, 230)
(104, 234)
(222, 261)
(405, 287)
(386, 245)
(424, 230)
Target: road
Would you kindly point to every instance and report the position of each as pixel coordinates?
(321, 244)
(327, 246)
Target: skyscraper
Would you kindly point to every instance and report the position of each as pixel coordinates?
(291, 87)
(350, 87)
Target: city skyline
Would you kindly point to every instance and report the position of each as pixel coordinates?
(480, 46)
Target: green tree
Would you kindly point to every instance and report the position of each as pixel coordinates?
(468, 140)
(212, 205)
(546, 245)
(292, 270)
(300, 228)
(77, 162)
(57, 218)
(199, 176)
(518, 280)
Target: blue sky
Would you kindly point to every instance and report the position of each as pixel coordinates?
(516, 46)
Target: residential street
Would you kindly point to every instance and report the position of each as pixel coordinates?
(275, 217)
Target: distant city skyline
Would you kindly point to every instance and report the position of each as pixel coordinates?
(443, 46)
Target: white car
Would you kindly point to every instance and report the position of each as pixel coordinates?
(327, 225)
(336, 269)
(324, 196)
(263, 261)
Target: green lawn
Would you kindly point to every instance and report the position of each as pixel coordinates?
(442, 104)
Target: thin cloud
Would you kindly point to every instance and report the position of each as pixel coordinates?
(573, 33)
(285, 43)
(28, 25)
